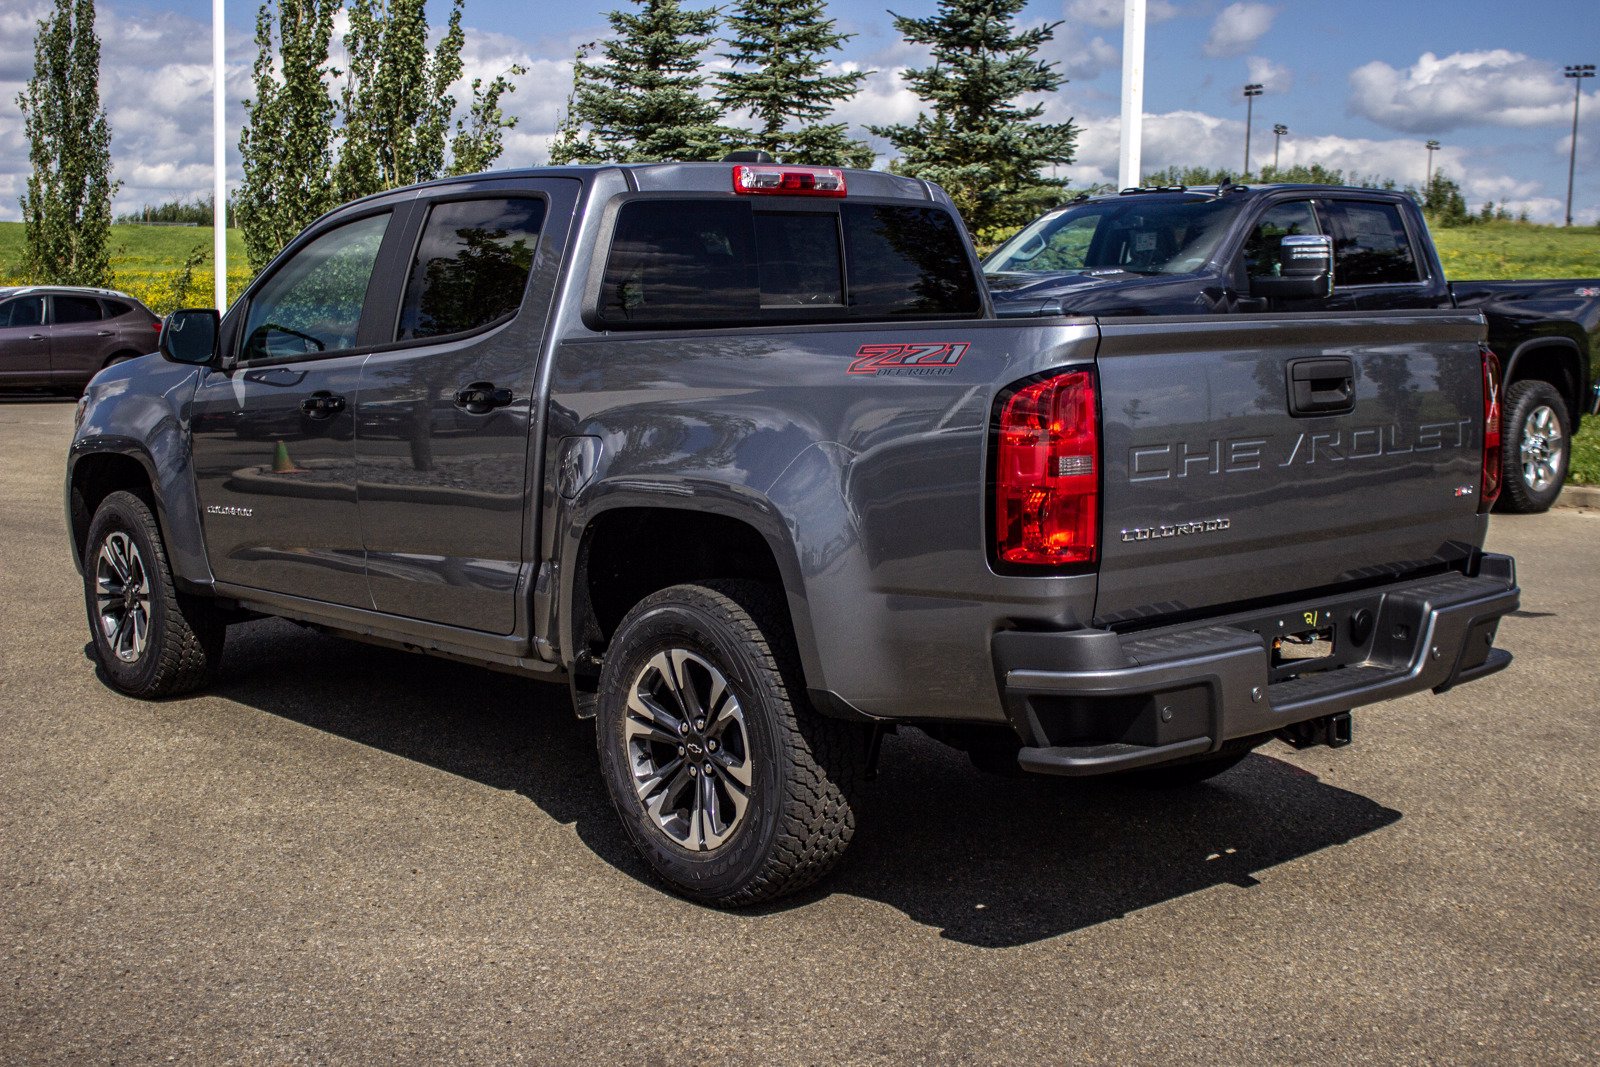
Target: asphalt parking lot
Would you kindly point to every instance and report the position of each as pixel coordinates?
(349, 854)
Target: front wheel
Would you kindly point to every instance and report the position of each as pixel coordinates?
(730, 786)
(1534, 446)
(150, 640)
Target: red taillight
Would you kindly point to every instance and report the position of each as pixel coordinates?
(1047, 477)
(789, 181)
(1489, 485)
(157, 326)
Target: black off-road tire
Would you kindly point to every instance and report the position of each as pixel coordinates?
(1524, 400)
(804, 768)
(184, 635)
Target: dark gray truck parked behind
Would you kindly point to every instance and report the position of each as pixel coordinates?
(1178, 251)
(742, 455)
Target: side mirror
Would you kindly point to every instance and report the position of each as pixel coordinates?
(190, 336)
(1306, 270)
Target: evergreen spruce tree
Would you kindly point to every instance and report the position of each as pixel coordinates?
(287, 138)
(396, 101)
(984, 148)
(643, 102)
(66, 210)
(778, 50)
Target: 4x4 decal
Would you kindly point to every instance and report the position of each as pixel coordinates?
(909, 358)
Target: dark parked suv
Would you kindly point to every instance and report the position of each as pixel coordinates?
(58, 336)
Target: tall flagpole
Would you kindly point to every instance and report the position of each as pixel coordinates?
(1132, 93)
(219, 149)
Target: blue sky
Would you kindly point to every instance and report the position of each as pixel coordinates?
(1360, 84)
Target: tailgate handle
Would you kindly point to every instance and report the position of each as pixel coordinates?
(1322, 386)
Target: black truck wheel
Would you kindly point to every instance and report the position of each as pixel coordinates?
(730, 786)
(150, 640)
(1534, 443)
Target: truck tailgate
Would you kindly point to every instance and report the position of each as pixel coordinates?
(1254, 458)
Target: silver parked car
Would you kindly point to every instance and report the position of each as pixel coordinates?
(58, 336)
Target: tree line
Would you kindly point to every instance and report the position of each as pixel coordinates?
(317, 135)
(644, 95)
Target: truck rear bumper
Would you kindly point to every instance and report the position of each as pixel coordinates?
(1091, 701)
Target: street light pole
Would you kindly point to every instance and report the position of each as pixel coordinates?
(1577, 74)
(1250, 93)
(1432, 147)
(1278, 130)
(1128, 162)
(219, 158)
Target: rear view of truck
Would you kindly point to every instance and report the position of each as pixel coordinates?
(1292, 514)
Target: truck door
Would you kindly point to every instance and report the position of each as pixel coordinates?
(1262, 256)
(443, 426)
(274, 428)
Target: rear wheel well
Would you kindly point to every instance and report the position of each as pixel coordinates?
(628, 553)
(96, 477)
(1553, 363)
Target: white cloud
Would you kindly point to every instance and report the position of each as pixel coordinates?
(1436, 95)
(1271, 76)
(1237, 28)
(1109, 13)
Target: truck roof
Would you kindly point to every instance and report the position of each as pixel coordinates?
(684, 177)
(1247, 191)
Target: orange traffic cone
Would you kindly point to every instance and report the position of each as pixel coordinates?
(281, 463)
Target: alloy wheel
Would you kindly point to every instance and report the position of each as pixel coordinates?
(122, 596)
(688, 749)
(1543, 448)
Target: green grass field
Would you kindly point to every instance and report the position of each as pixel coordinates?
(147, 261)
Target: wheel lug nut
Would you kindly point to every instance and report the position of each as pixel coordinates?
(682, 750)
(699, 724)
(693, 771)
(683, 727)
(711, 746)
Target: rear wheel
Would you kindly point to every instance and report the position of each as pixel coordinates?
(730, 786)
(150, 640)
(1534, 446)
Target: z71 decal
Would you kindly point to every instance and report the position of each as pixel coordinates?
(909, 358)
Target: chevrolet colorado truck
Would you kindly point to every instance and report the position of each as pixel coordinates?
(742, 455)
(1188, 251)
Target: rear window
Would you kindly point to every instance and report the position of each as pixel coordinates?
(471, 266)
(723, 263)
(1370, 245)
(69, 309)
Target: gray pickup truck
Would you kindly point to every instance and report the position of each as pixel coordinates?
(742, 455)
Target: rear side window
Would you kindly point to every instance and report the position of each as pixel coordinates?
(471, 266)
(23, 311)
(722, 263)
(70, 309)
(115, 308)
(1370, 245)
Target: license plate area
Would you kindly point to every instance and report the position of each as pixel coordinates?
(1303, 649)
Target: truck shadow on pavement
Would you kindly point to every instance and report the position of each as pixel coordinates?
(987, 861)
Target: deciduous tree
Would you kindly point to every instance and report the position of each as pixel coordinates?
(66, 211)
(287, 138)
